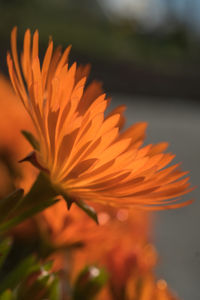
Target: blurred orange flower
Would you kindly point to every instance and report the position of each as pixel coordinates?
(67, 227)
(142, 288)
(86, 154)
(119, 244)
(13, 146)
(148, 288)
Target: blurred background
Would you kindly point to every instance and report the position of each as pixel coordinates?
(145, 47)
(147, 54)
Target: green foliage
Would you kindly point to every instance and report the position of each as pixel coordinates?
(15, 208)
(41, 196)
(24, 277)
(7, 295)
(26, 215)
(89, 282)
(10, 203)
(28, 279)
(22, 270)
(40, 285)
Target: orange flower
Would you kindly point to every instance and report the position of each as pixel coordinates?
(147, 288)
(119, 245)
(86, 154)
(124, 231)
(141, 288)
(122, 236)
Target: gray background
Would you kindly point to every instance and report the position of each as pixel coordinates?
(176, 232)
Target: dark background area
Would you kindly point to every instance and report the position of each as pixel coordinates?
(147, 54)
(148, 47)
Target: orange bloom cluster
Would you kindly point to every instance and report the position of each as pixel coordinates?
(68, 227)
(87, 154)
(119, 244)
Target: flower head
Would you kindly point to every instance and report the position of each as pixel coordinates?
(87, 154)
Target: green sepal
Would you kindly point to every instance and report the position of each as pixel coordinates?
(32, 158)
(68, 200)
(90, 211)
(5, 246)
(10, 203)
(30, 280)
(89, 282)
(31, 139)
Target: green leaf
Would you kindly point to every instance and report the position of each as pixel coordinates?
(31, 139)
(41, 195)
(4, 249)
(10, 203)
(7, 295)
(27, 214)
(21, 271)
(89, 282)
(69, 201)
(90, 211)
